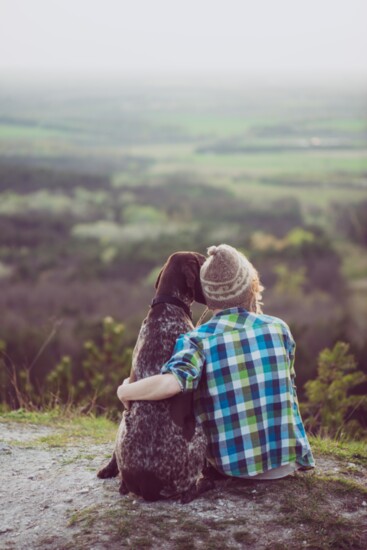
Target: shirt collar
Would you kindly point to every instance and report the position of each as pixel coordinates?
(230, 311)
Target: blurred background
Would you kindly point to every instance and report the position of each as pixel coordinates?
(129, 131)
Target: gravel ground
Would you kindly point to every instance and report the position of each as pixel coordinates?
(51, 498)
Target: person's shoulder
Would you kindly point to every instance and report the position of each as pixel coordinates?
(262, 318)
(204, 330)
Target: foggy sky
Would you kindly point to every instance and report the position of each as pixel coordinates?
(309, 37)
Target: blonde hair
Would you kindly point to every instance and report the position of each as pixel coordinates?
(253, 299)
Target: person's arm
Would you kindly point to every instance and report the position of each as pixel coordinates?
(181, 373)
(152, 388)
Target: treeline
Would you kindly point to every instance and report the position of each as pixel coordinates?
(77, 247)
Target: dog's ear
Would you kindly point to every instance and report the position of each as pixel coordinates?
(191, 270)
(199, 295)
(159, 277)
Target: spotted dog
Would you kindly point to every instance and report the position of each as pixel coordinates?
(159, 448)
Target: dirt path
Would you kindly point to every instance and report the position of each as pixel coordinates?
(51, 499)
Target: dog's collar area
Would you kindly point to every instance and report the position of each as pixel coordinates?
(167, 299)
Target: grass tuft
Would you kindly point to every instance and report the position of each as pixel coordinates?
(352, 451)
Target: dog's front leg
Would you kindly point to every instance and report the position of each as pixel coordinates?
(189, 495)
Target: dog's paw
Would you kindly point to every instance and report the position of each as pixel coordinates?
(189, 495)
(205, 484)
(123, 490)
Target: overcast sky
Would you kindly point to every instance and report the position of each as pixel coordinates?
(300, 37)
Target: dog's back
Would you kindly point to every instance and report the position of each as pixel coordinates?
(160, 450)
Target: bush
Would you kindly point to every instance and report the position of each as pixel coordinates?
(332, 407)
(93, 388)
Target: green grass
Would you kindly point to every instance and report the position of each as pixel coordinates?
(309, 162)
(202, 125)
(86, 515)
(342, 124)
(321, 197)
(71, 426)
(351, 451)
(20, 132)
(225, 125)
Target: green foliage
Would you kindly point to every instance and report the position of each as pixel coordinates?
(351, 221)
(330, 401)
(289, 281)
(59, 382)
(134, 213)
(3, 375)
(105, 366)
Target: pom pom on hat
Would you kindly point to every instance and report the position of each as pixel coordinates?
(212, 250)
(226, 277)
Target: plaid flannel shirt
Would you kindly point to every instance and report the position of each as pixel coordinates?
(241, 366)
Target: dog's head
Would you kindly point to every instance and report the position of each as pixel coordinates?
(181, 274)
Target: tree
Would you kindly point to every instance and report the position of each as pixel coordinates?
(331, 401)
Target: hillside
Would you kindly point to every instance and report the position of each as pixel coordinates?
(99, 185)
(51, 497)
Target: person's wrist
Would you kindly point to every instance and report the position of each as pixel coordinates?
(122, 389)
(121, 392)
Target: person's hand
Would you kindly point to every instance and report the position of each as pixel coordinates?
(120, 394)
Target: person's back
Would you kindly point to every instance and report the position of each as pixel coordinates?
(244, 391)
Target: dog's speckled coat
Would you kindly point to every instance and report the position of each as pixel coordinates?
(159, 448)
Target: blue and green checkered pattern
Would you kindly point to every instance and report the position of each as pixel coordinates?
(241, 366)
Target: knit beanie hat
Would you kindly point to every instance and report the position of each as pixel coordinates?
(226, 277)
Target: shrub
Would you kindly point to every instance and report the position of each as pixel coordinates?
(332, 408)
(104, 366)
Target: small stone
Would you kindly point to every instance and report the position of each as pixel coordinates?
(351, 465)
(30, 477)
(84, 491)
(254, 491)
(69, 499)
(5, 529)
(364, 503)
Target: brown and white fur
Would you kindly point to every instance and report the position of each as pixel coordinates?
(160, 449)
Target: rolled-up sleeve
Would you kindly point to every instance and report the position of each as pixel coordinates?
(186, 363)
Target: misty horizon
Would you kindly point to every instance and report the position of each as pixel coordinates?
(234, 40)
